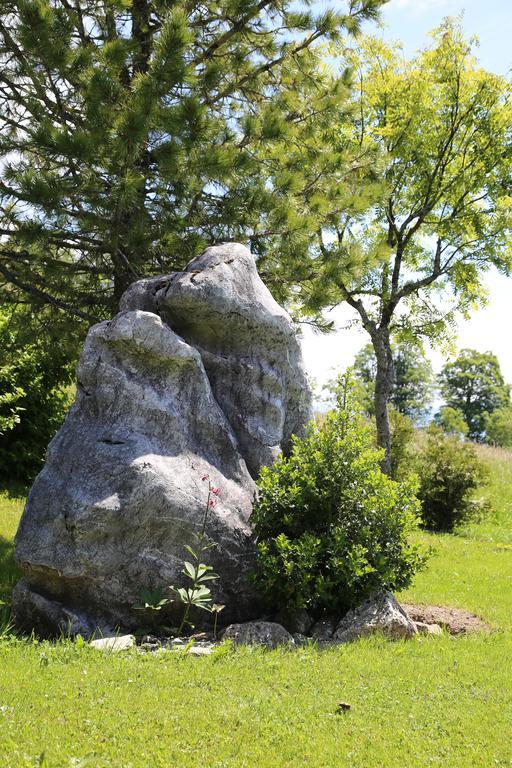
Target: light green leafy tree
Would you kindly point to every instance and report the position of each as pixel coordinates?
(443, 123)
(498, 428)
(451, 421)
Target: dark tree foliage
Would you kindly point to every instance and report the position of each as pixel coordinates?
(449, 473)
(128, 131)
(474, 385)
(132, 134)
(38, 367)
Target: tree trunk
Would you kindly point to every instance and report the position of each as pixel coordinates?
(123, 278)
(383, 390)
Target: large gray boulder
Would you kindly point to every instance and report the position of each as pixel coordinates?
(199, 374)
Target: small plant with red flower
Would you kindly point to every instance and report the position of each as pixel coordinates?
(198, 593)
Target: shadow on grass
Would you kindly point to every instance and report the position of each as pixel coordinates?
(9, 575)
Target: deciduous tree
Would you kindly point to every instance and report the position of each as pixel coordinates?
(451, 421)
(443, 123)
(473, 384)
(498, 427)
(412, 389)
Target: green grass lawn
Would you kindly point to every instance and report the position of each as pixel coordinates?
(427, 702)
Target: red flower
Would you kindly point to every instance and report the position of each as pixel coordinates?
(216, 491)
(213, 503)
(205, 477)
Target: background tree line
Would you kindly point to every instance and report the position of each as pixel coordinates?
(133, 133)
(475, 400)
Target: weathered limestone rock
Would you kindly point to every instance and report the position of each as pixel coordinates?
(200, 374)
(381, 614)
(323, 629)
(247, 343)
(298, 622)
(48, 617)
(266, 633)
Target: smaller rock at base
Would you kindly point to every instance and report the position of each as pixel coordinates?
(46, 617)
(150, 647)
(380, 614)
(116, 643)
(266, 633)
(428, 629)
(150, 639)
(297, 622)
(323, 629)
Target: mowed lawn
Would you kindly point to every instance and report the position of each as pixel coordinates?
(427, 702)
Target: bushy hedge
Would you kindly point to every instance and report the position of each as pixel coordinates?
(449, 472)
(331, 527)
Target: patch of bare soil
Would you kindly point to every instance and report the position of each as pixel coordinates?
(456, 621)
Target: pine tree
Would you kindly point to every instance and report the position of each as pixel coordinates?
(129, 129)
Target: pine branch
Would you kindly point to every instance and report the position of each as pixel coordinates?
(45, 297)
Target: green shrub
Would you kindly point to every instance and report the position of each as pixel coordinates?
(451, 421)
(35, 378)
(331, 527)
(498, 428)
(449, 472)
(10, 396)
(402, 436)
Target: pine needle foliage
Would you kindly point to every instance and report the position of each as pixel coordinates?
(129, 129)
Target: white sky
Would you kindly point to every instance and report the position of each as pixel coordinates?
(489, 328)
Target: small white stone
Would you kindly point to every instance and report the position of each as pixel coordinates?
(200, 650)
(428, 629)
(116, 643)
